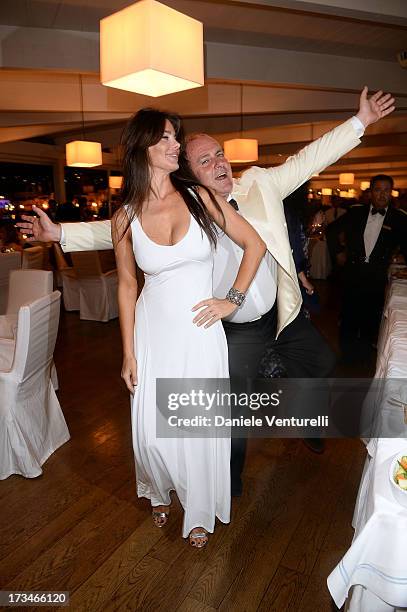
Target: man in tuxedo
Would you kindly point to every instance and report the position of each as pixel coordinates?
(270, 315)
(371, 232)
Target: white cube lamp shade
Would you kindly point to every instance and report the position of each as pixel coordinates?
(83, 153)
(326, 191)
(241, 150)
(364, 185)
(346, 178)
(115, 182)
(151, 49)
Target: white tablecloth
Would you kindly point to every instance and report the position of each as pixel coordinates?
(376, 563)
(393, 325)
(372, 576)
(393, 333)
(396, 298)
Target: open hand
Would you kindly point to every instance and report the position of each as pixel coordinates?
(374, 108)
(41, 228)
(212, 310)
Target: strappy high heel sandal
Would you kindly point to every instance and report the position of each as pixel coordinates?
(198, 539)
(159, 518)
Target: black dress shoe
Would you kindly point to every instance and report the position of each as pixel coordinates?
(316, 445)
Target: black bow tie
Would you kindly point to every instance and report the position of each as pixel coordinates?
(233, 203)
(381, 211)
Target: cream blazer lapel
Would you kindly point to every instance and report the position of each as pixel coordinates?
(269, 222)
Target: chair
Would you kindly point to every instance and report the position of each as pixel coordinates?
(8, 261)
(70, 284)
(33, 258)
(25, 286)
(32, 425)
(97, 289)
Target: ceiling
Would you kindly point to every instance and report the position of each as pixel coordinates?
(229, 22)
(301, 65)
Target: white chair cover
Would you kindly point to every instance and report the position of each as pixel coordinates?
(8, 261)
(24, 286)
(32, 425)
(70, 284)
(27, 286)
(33, 258)
(97, 290)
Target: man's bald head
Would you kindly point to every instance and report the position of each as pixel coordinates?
(209, 164)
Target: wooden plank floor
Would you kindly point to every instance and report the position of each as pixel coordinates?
(80, 527)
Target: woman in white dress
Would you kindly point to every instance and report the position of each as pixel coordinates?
(167, 226)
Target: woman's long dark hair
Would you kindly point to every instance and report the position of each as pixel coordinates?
(144, 130)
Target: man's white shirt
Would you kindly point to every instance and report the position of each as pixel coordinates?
(262, 292)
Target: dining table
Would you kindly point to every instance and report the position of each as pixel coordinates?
(372, 575)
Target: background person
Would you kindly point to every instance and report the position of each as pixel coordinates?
(371, 233)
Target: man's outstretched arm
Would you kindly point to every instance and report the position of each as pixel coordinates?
(326, 150)
(94, 236)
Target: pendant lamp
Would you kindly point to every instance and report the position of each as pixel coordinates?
(241, 150)
(347, 178)
(115, 182)
(151, 49)
(83, 153)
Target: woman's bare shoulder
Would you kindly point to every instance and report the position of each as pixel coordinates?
(121, 222)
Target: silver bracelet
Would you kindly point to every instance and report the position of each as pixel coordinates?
(235, 296)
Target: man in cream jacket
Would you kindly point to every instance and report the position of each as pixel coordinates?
(271, 314)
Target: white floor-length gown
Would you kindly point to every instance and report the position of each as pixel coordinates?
(170, 345)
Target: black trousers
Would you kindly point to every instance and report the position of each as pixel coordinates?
(300, 347)
(362, 307)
